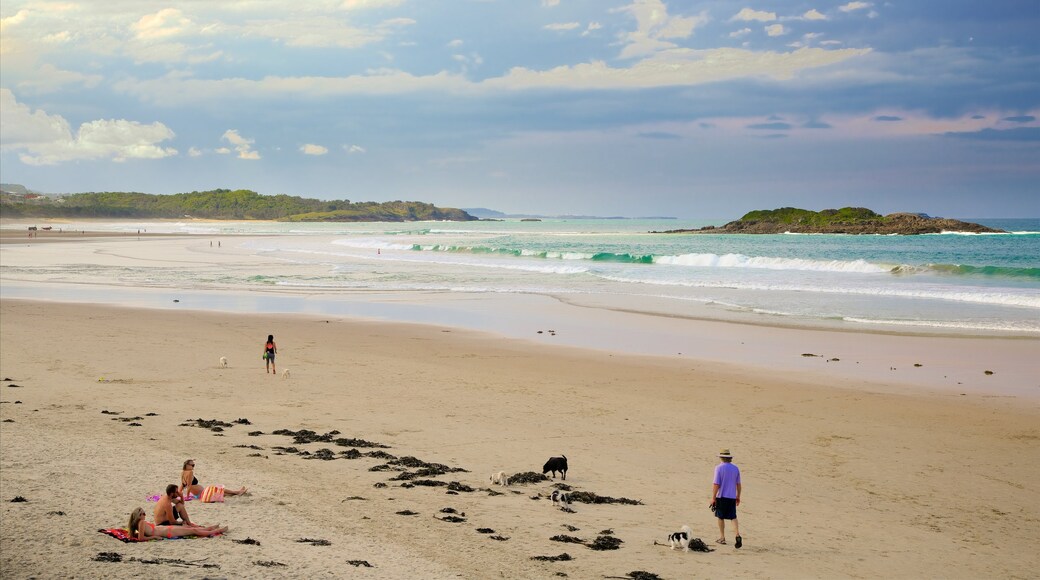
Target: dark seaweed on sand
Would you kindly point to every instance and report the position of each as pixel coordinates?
(379, 484)
(407, 513)
(211, 424)
(173, 562)
(384, 467)
(18, 499)
(56, 513)
(255, 455)
(356, 563)
(456, 486)
(606, 532)
(589, 497)
(108, 557)
(449, 510)
(151, 414)
(426, 483)
(242, 422)
(249, 541)
(567, 539)
(642, 575)
(353, 497)
(134, 425)
(605, 543)
(107, 412)
(571, 528)
(527, 477)
(8, 420)
(381, 455)
(350, 454)
(698, 545)
(257, 447)
(499, 538)
(323, 454)
(255, 433)
(286, 449)
(268, 563)
(491, 492)
(562, 486)
(564, 557)
(451, 519)
(128, 419)
(416, 463)
(485, 531)
(314, 542)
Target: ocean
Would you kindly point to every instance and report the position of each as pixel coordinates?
(956, 282)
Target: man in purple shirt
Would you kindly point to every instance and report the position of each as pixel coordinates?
(725, 496)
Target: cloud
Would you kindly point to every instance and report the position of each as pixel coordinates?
(550, 3)
(49, 78)
(365, 4)
(45, 139)
(592, 26)
(352, 149)
(241, 144)
(1016, 134)
(455, 43)
(163, 24)
(312, 149)
(887, 118)
(775, 30)
(775, 126)
(853, 6)
(315, 31)
(740, 33)
(1021, 119)
(222, 150)
(749, 15)
(562, 26)
(194, 152)
(814, 14)
(654, 27)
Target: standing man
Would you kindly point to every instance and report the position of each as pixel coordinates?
(725, 496)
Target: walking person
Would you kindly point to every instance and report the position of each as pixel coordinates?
(270, 349)
(725, 496)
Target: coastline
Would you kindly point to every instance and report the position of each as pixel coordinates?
(839, 482)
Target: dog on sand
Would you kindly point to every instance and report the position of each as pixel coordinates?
(285, 373)
(680, 540)
(560, 498)
(223, 362)
(556, 464)
(500, 478)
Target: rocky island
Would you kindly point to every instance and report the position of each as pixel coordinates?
(847, 220)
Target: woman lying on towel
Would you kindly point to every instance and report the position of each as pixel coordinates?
(213, 493)
(142, 530)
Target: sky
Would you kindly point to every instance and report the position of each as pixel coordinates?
(597, 107)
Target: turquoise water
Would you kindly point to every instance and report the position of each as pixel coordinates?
(954, 281)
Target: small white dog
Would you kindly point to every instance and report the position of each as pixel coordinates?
(285, 373)
(500, 478)
(681, 539)
(223, 362)
(561, 499)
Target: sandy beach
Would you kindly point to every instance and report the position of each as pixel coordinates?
(838, 482)
(850, 470)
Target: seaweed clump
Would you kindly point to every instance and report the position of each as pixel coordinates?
(589, 497)
(564, 557)
(527, 477)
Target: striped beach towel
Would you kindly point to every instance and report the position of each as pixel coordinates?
(212, 494)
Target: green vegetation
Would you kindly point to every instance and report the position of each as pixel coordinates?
(793, 215)
(222, 204)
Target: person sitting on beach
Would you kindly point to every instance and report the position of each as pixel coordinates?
(141, 529)
(270, 349)
(190, 484)
(170, 509)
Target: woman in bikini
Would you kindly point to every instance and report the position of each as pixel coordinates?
(143, 530)
(190, 484)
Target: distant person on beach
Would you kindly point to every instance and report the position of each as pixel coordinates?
(142, 530)
(170, 509)
(270, 349)
(190, 484)
(725, 496)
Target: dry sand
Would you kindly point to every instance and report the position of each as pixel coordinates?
(838, 482)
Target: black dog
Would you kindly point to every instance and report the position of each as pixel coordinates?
(556, 464)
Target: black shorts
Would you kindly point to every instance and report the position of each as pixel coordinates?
(725, 508)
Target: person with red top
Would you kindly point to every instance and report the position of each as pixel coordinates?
(270, 349)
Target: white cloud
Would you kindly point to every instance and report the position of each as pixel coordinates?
(354, 149)
(853, 6)
(49, 78)
(222, 150)
(775, 30)
(363, 4)
(830, 42)
(319, 31)
(194, 152)
(45, 139)
(740, 33)
(654, 26)
(163, 24)
(592, 26)
(562, 26)
(312, 149)
(550, 3)
(814, 14)
(241, 144)
(749, 14)
(455, 43)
